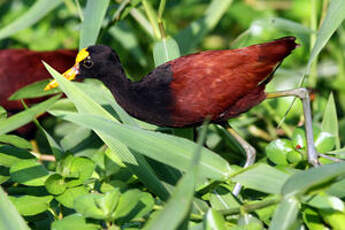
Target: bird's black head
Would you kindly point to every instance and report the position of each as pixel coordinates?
(100, 61)
(97, 61)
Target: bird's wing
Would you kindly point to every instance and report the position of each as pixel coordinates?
(207, 83)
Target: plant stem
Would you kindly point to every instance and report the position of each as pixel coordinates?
(250, 207)
(152, 18)
(161, 10)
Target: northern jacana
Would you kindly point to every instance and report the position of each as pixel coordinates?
(217, 84)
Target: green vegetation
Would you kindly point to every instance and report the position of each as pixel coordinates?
(92, 166)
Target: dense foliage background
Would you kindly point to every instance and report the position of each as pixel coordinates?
(92, 166)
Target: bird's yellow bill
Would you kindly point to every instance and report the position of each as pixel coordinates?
(72, 72)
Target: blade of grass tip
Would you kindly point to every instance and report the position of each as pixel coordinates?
(135, 162)
(330, 120)
(80, 11)
(37, 11)
(161, 9)
(55, 148)
(334, 17)
(178, 206)
(9, 216)
(93, 17)
(24, 117)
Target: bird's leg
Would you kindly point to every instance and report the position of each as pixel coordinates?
(303, 94)
(250, 153)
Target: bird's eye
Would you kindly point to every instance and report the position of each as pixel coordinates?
(88, 63)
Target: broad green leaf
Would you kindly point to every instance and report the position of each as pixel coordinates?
(88, 206)
(136, 163)
(22, 118)
(34, 90)
(330, 120)
(324, 142)
(15, 141)
(10, 219)
(67, 198)
(190, 37)
(31, 205)
(34, 14)
(322, 201)
(178, 206)
(165, 50)
(74, 221)
(334, 17)
(337, 189)
(93, 17)
(277, 151)
(285, 214)
(29, 172)
(9, 155)
(133, 204)
(82, 168)
(302, 182)
(256, 176)
(55, 184)
(177, 151)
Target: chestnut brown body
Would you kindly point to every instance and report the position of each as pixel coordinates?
(21, 67)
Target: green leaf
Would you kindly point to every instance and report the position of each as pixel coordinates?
(29, 172)
(88, 206)
(173, 213)
(15, 141)
(313, 220)
(136, 163)
(255, 176)
(34, 90)
(337, 189)
(133, 204)
(31, 205)
(333, 218)
(249, 222)
(214, 221)
(330, 120)
(324, 142)
(285, 214)
(9, 217)
(67, 198)
(55, 184)
(177, 151)
(334, 17)
(165, 50)
(82, 168)
(190, 37)
(74, 221)
(302, 182)
(9, 155)
(221, 198)
(277, 151)
(322, 201)
(34, 14)
(22, 118)
(3, 113)
(93, 17)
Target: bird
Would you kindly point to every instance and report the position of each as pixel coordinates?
(213, 84)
